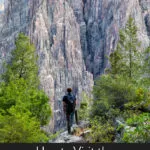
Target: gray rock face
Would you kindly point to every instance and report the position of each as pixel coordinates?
(100, 21)
(1, 13)
(72, 38)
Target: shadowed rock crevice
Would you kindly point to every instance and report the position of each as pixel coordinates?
(147, 22)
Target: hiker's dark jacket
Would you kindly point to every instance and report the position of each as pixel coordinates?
(66, 104)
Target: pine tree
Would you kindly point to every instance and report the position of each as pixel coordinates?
(146, 68)
(23, 62)
(115, 59)
(125, 60)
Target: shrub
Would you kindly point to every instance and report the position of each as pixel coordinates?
(85, 107)
(101, 131)
(141, 133)
(20, 128)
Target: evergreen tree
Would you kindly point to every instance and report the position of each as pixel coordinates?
(146, 68)
(115, 59)
(23, 62)
(125, 59)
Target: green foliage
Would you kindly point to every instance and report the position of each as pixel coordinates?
(85, 107)
(119, 97)
(115, 59)
(141, 100)
(126, 60)
(83, 111)
(26, 98)
(101, 131)
(20, 128)
(140, 131)
(23, 62)
(52, 136)
(146, 68)
(112, 93)
(24, 107)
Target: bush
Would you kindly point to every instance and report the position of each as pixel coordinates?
(112, 93)
(85, 107)
(123, 98)
(20, 128)
(27, 99)
(141, 133)
(101, 131)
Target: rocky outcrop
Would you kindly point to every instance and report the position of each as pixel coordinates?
(68, 138)
(78, 134)
(72, 39)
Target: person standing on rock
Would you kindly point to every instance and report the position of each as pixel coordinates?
(69, 104)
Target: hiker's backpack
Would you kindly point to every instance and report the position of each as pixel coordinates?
(70, 103)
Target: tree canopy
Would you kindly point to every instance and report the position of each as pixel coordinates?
(23, 62)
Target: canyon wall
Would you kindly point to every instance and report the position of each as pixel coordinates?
(72, 38)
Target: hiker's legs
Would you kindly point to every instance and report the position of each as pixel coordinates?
(68, 123)
(71, 118)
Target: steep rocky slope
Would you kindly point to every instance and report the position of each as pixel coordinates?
(72, 38)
